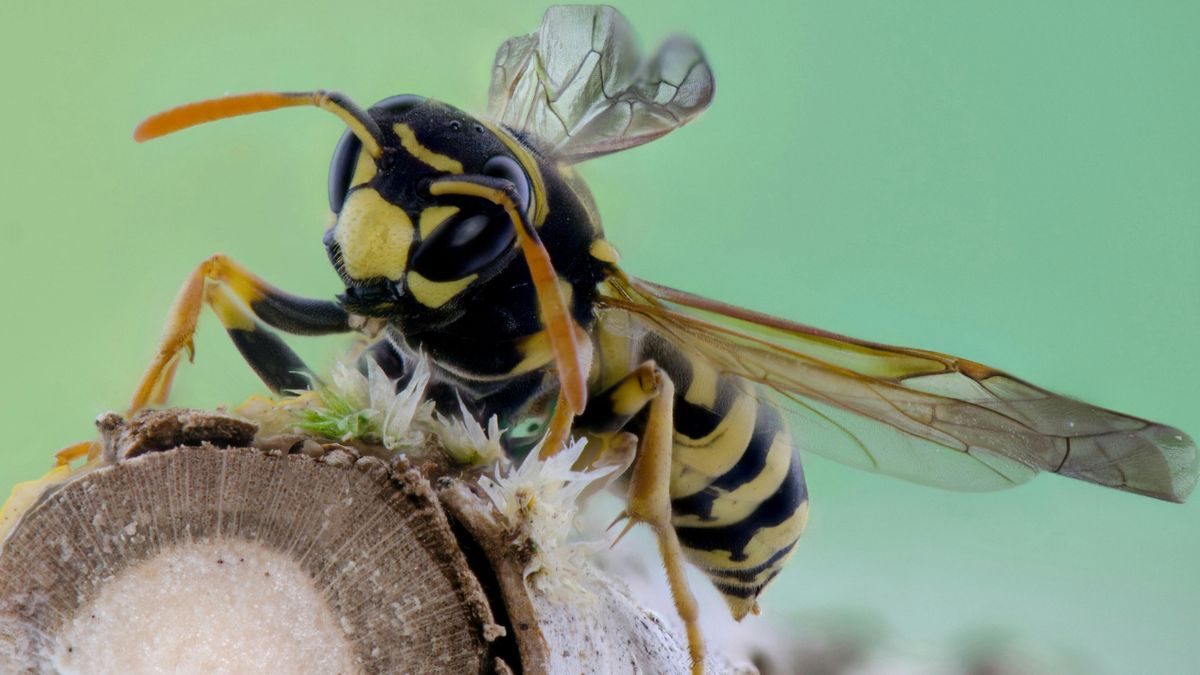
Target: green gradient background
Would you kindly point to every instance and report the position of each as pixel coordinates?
(1017, 182)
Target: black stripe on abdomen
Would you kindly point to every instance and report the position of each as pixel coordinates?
(773, 511)
(698, 421)
(750, 574)
(750, 589)
(748, 467)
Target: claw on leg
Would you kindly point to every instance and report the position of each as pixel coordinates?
(177, 335)
(629, 523)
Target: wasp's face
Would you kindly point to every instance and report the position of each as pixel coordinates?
(400, 250)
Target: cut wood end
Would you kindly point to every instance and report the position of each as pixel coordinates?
(197, 547)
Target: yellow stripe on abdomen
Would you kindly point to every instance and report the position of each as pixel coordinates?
(738, 498)
(742, 525)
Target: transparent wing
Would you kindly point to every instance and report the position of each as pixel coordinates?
(580, 87)
(918, 415)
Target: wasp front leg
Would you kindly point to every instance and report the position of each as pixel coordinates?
(240, 299)
(649, 388)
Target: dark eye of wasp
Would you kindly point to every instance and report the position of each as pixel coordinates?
(507, 168)
(465, 244)
(341, 169)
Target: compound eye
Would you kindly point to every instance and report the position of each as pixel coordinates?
(341, 169)
(502, 166)
(465, 244)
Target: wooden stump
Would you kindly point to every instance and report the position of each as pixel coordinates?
(185, 556)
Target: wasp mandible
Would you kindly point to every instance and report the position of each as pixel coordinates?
(473, 241)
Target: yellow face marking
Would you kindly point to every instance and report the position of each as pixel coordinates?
(364, 169)
(408, 139)
(434, 294)
(541, 207)
(604, 252)
(432, 217)
(374, 236)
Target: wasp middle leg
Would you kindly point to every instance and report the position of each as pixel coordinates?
(649, 388)
(240, 299)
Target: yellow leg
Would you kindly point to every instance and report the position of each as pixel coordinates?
(89, 449)
(25, 495)
(238, 297)
(162, 388)
(557, 430)
(564, 411)
(649, 502)
(181, 326)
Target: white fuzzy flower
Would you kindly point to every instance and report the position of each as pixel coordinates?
(353, 406)
(543, 497)
(464, 440)
(347, 383)
(404, 411)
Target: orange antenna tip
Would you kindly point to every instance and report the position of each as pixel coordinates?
(190, 114)
(213, 109)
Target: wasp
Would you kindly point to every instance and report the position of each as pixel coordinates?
(474, 242)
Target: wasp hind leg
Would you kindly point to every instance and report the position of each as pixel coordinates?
(649, 498)
(240, 299)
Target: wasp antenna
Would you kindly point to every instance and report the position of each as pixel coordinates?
(213, 109)
(360, 123)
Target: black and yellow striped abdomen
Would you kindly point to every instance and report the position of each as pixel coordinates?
(739, 500)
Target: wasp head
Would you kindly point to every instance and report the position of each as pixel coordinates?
(400, 249)
(431, 205)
